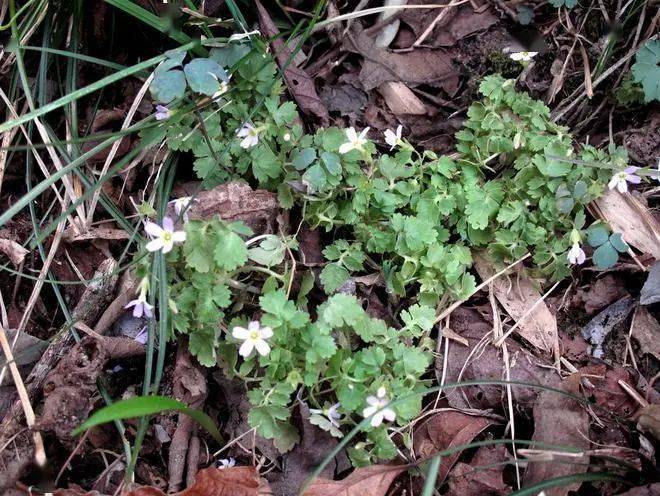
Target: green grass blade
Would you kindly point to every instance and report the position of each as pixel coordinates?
(66, 99)
(431, 476)
(142, 406)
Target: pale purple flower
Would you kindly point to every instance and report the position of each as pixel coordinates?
(141, 307)
(621, 179)
(142, 336)
(181, 206)
(330, 413)
(378, 408)
(162, 113)
(576, 255)
(226, 463)
(163, 238)
(393, 138)
(253, 337)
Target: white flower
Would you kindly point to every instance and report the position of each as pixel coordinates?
(254, 336)
(576, 255)
(286, 137)
(392, 138)
(240, 36)
(330, 413)
(621, 179)
(163, 238)
(224, 87)
(378, 408)
(523, 56)
(250, 135)
(162, 113)
(226, 463)
(355, 141)
(181, 206)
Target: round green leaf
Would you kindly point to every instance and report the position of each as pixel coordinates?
(579, 190)
(303, 158)
(619, 244)
(204, 76)
(168, 86)
(605, 256)
(597, 235)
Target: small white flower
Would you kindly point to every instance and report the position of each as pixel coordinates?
(240, 36)
(163, 238)
(392, 138)
(355, 141)
(253, 337)
(378, 408)
(286, 137)
(621, 179)
(523, 56)
(330, 413)
(576, 255)
(250, 136)
(181, 206)
(224, 87)
(162, 113)
(226, 463)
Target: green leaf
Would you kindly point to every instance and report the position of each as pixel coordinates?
(303, 158)
(646, 70)
(143, 406)
(228, 56)
(597, 235)
(569, 4)
(618, 243)
(230, 251)
(168, 86)
(333, 276)
(605, 256)
(204, 76)
(265, 163)
(269, 252)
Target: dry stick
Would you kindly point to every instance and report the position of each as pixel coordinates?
(458, 303)
(443, 13)
(39, 452)
(501, 340)
(115, 147)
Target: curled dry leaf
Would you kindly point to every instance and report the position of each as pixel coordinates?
(649, 420)
(561, 421)
(366, 481)
(517, 293)
(400, 99)
(599, 294)
(444, 430)
(14, 251)
(630, 217)
(646, 331)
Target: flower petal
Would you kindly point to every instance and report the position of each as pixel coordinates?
(345, 148)
(154, 244)
(152, 229)
(179, 236)
(240, 333)
(266, 332)
(254, 326)
(377, 419)
(369, 411)
(389, 414)
(246, 348)
(168, 224)
(262, 347)
(168, 245)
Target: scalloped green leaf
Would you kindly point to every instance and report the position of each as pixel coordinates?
(204, 76)
(167, 86)
(646, 69)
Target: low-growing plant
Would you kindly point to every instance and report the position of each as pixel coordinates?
(516, 185)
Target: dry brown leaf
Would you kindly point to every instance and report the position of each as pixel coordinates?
(232, 481)
(366, 481)
(518, 294)
(400, 99)
(629, 216)
(444, 430)
(14, 251)
(561, 421)
(646, 331)
(599, 294)
(297, 80)
(649, 420)
(482, 476)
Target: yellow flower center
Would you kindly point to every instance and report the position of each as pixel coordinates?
(167, 236)
(254, 335)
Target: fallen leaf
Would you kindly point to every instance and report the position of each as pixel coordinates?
(599, 294)
(483, 361)
(482, 476)
(300, 85)
(648, 490)
(606, 391)
(445, 430)
(232, 481)
(420, 66)
(629, 216)
(458, 23)
(400, 99)
(561, 421)
(518, 294)
(14, 251)
(374, 480)
(649, 420)
(646, 331)
(651, 290)
(344, 98)
(602, 324)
